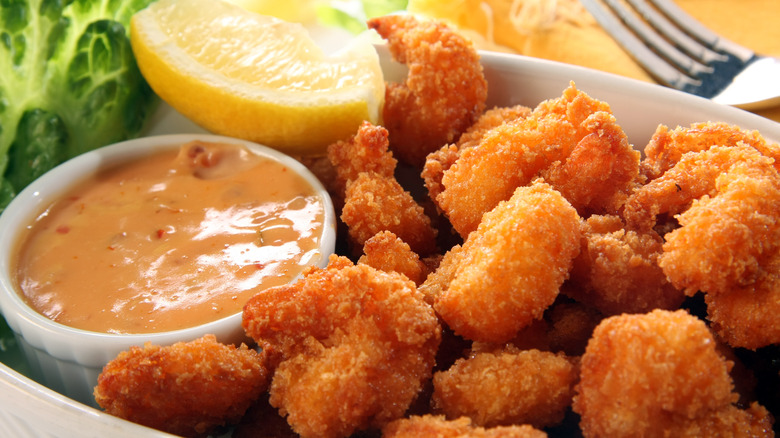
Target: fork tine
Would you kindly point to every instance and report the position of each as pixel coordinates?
(659, 68)
(697, 30)
(673, 33)
(656, 42)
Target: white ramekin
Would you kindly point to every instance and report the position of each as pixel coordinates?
(69, 360)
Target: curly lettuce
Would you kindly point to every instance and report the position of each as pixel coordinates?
(68, 84)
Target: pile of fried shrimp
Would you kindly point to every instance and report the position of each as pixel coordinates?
(538, 276)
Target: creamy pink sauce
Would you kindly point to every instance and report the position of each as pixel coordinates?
(170, 241)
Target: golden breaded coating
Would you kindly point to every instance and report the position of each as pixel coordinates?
(727, 203)
(439, 427)
(601, 171)
(667, 146)
(507, 387)
(508, 157)
(516, 152)
(444, 92)
(188, 388)
(658, 374)
(366, 151)
(438, 161)
(617, 270)
(375, 203)
(354, 346)
(747, 317)
(693, 177)
(512, 267)
(490, 119)
(725, 240)
(731, 421)
(386, 252)
(574, 105)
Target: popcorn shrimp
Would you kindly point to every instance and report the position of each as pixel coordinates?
(511, 269)
(617, 270)
(667, 146)
(353, 344)
(440, 427)
(660, 374)
(366, 151)
(444, 93)
(386, 252)
(516, 152)
(507, 387)
(375, 203)
(439, 161)
(188, 388)
(601, 171)
(692, 177)
(726, 239)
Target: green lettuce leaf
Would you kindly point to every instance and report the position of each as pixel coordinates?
(68, 84)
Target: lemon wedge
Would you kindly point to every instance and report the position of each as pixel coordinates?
(256, 77)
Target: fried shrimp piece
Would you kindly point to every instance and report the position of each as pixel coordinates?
(693, 177)
(667, 146)
(602, 170)
(439, 161)
(617, 270)
(574, 105)
(386, 252)
(445, 90)
(511, 268)
(373, 200)
(440, 427)
(490, 119)
(353, 344)
(659, 374)
(513, 154)
(753, 422)
(747, 317)
(188, 388)
(726, 240)
(507, 387)
(375, 203)
(508, 157)
(366, 151)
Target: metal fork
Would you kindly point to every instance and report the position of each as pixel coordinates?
(681, 53)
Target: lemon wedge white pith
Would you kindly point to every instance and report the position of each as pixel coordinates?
(255, 77)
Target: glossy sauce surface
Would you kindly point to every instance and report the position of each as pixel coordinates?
(170, 241)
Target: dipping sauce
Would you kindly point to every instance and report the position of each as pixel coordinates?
(171, 241)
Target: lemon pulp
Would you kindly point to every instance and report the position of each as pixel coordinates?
(256, 77)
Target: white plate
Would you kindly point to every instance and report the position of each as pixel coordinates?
(28, 409)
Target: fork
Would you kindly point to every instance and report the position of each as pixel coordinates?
(680, 52)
